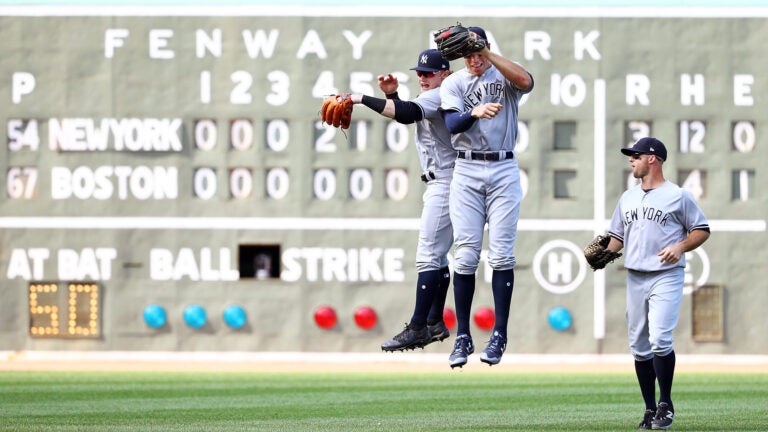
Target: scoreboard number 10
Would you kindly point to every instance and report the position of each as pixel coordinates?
(64, 310)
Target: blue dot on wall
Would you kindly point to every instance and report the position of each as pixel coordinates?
(235, 316)
(154, 316)
(194, 316)
(560, 318)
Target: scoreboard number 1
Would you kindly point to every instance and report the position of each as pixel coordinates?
(65, 310)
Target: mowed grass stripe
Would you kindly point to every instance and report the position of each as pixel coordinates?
(451, 401)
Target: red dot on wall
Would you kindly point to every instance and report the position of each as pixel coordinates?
(484, 318)
(325, 317)
(449, 317)
(365, 317)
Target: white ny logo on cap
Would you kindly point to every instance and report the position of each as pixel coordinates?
(424, 58)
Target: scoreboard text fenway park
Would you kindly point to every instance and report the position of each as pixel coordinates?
(169, 185)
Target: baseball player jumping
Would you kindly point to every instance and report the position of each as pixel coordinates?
(480, 104)
(437, 157)
(656, 223)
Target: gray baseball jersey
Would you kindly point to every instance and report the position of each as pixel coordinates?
(647, 222)
(484, 191)
(462, 91)
(438, 158)
(433, 140)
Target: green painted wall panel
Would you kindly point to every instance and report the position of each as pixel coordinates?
(276, 96)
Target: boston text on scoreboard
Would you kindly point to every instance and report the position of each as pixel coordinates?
(181, 161)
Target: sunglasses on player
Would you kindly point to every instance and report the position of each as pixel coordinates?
(425, 74)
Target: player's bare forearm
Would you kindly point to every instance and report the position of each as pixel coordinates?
(615, 245)
(674, 252)
(511, 70)
(694, 239)
(389, 105)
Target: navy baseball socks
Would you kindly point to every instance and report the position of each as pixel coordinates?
(646, 377)
(435, 322)
(502, 283)
(661, 368)
(427, 284)
(463, 292)
(664, 366)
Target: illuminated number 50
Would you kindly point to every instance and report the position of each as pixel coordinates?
(77, 310)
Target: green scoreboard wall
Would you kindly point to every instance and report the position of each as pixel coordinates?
(177, 159)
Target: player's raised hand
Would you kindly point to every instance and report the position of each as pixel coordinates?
(388, 83)
(486, 111)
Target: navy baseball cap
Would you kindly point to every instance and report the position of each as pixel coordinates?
(647, 145)
(480, 32)
(431, 61)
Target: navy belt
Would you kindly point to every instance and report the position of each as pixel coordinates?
(427, 176)
(486, 156)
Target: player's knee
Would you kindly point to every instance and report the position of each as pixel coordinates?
(662, 351)
(422, 266)
(430, 261)
(502, 263)
(466, 260)
(661, 345)
(464, 269)
(640, 349)
(642, 357)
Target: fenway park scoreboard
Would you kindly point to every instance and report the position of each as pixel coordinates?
(175, 164)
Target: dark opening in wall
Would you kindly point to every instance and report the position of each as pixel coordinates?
(259, 261)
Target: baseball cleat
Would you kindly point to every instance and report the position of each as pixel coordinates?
(408, 339)
(647, 419)
(462, 348)
(438, 331)
(663, 418)
(495, 349)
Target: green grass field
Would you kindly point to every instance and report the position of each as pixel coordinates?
(355, 401)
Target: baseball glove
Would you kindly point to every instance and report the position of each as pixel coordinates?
(455, 42)
(337, 110)
(596, 253)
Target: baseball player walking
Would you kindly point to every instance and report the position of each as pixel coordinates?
(656, 223)
(437, 158)
(480, 104)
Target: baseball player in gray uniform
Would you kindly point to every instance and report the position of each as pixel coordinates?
(480, 104)
(656, 223)
(437, 157)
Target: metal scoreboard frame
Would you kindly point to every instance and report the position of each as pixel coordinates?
(174, 157)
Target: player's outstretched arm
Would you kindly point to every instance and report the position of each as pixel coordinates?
(405, 112)
(385, 107)
(511, 70)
